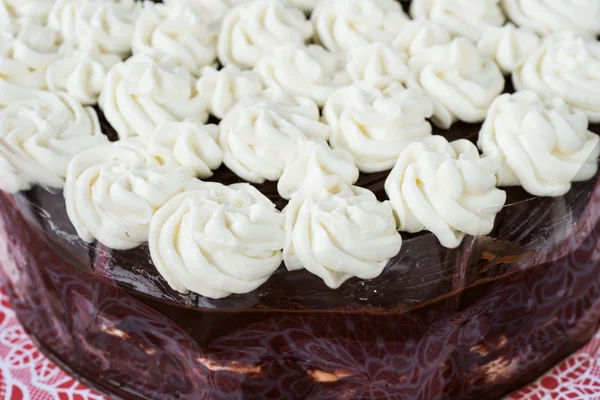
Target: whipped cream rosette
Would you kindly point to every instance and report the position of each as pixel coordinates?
(39, 137)
(341, 25)
(566, 66)
(81, 72)
(468, 18)
(316, 165)
(176, 30)
(508, 45)
(26, 54)
(338, 233)
(112, 192)
(305, 5)
(377, 64)
(188, 144)
(106, 23)
(250, 30)
(30, 10)
(212, 11)
(543, 147)
(222, 89)
(418, 35)
(217, 240)
(548, 16)
(376, 125)
(445, 188)
(140, 93)
(461, 82)
(309, 71)
(259, 135)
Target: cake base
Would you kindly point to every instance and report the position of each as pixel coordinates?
(507, 314)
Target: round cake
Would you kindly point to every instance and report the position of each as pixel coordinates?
(301, 199)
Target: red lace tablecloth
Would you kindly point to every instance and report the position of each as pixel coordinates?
(25, 374)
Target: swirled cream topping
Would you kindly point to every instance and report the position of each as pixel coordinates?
(107, 23)
(30, 10)
(42, 134)
(340, 233)
(309, 71)
(223, 88)
(566, 66)
(187, 144)
(315, 166)
(140, 93)
(508, 45)
(112, 192)
(376, 125)
(26, 55)
(418, 35)
(217, 240)
(542, 147)
(341, 25)
(176, 30)
(251, 30)
(445, 188)
(305, 5)
(468, 18)
(377, 64)
(259, 135)
(461, 82)
(80, 72)
(548, 16)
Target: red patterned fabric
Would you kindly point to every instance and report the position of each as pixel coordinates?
(25, 374)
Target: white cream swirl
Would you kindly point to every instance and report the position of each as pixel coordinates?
(26, 55)
(341, 25)
(316, 166)
(178, 31)
(340, 233)
(251, 30)
(309, 71)
(43, 133)
(418, 35)
(445, 188)
(508, 45)
(542, 147)
(212, 10)
(106, 23)
(259, 135)
(30, 10)
(305, 5)
(112, 192)
(80, 72)
(377, 64)
(11, 93)
(218, 240)
(222, 89)
(140, 93)
(188, 144)
(548, 16)
(468, 18)
(375, 125)
(461, 82)
(566, 66)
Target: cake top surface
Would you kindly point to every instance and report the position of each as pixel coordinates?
(219, 147)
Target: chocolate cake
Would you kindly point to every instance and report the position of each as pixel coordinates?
(473, 322)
